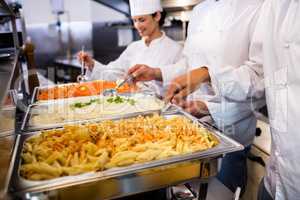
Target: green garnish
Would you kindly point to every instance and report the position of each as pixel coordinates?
(119, 99)
(81, 104)
(78, 105)
(116, 99)
(131, 102)
(110, 100)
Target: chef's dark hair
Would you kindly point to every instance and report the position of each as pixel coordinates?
(162, 19)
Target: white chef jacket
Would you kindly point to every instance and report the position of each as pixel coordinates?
(160, 52)
(281, 24)
(221, 37)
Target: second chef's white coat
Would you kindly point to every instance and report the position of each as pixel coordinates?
(281, 27)
(160, 52)
(221, 37)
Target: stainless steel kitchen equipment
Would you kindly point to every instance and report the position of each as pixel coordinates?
(7, 68)
(8, 113)
(10, 66)
(113, 91)
(123, 181)
(179, 5)
(49, 47)
(27, 127)
(37, 90)
(45, 106)
(82, 76)
(7, 142)
(180, 10)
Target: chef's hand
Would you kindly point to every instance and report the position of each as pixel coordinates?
(184, 85)
(144, 73)
(197, 108)
(88, 60)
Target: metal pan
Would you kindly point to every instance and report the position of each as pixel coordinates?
(34, 109)
(26, 127)
(131, 179)
(7, 114)
(34, 98)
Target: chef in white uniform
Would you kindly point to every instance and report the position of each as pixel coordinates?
(154, 49)
(221, 47)
(280, 22)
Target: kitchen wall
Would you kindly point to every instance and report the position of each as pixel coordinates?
(39, 11)
(100, 13)
(84, 15)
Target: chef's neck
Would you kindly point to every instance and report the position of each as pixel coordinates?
(157, 33)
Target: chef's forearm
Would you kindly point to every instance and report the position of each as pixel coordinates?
(158, 74)
(200, 75)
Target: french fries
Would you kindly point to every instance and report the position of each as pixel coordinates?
(77, 149)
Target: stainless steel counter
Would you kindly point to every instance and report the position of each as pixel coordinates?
(7, 68)
(7, 146)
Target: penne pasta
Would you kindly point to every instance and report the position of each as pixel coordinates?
(78, 149)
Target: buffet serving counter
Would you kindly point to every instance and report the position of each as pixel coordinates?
(165, 149)
(126, 180)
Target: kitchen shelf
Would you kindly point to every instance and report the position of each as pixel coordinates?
(8, 65)
(5, 10)
(7, 68)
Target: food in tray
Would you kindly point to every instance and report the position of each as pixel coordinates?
(77, 149)
(110, 100)
(81, 89)
(94, 107)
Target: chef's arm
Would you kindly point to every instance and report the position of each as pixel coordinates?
(183, 85)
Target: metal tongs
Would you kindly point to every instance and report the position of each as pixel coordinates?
(82, 76)
(114, 91)
(170, 108)
(166, 107)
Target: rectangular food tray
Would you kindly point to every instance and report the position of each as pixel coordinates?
(144, 177)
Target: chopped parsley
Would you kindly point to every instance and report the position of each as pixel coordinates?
(119, 99)
(81, 104)
(115, 99)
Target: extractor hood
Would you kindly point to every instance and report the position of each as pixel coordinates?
(169, 5)
(179, 9)
(179, 5)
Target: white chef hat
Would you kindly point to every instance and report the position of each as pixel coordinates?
(144, 7)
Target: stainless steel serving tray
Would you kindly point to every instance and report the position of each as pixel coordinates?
(131, 179)
(7, 142)
(7, 119)
(26, 126)
(36, 90)
(7, 114)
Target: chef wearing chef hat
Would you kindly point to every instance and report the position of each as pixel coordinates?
(154, 48)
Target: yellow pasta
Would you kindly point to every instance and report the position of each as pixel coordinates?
(78, 149)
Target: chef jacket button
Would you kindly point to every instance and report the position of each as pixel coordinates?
(286, 45)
